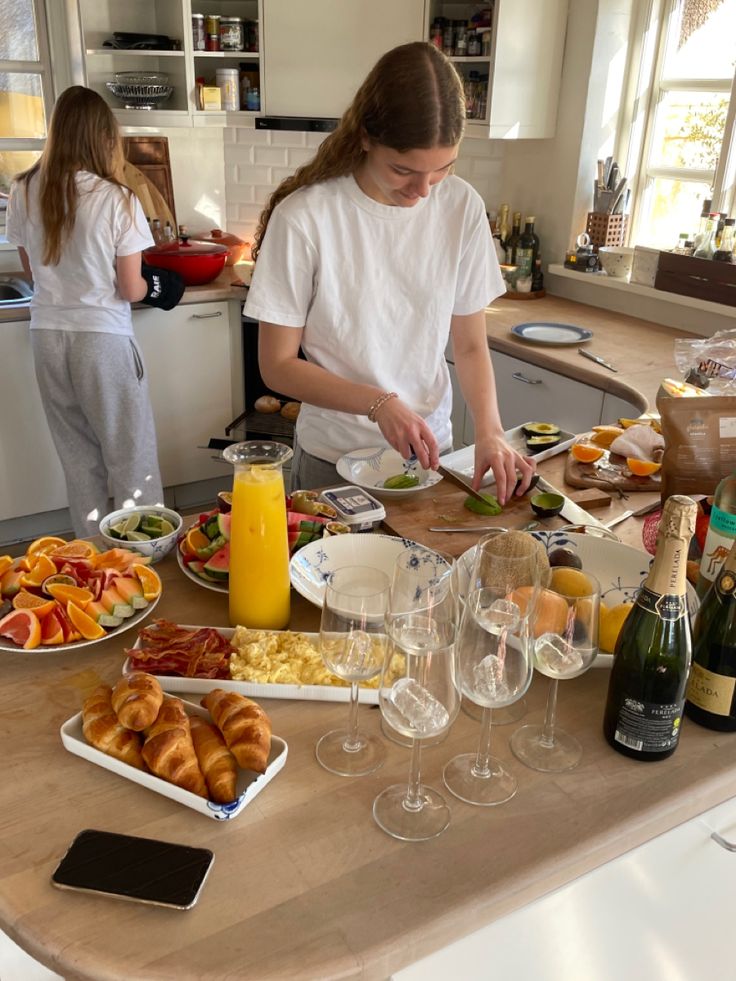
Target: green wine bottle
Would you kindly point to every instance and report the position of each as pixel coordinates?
(646, 691)
(711, 690)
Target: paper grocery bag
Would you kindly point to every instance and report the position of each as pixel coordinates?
(699, 440)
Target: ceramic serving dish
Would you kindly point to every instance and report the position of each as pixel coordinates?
(371, 467)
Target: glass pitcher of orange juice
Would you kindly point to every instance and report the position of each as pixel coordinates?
(259, 545)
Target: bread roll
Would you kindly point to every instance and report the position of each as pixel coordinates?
(290, 410)
(267, 403)
(136, 700)
(103, 730)
(168, 749)
(244, 725)
(215, 760)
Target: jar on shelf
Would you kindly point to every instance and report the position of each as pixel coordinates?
(232, 34)
(212, 24)
(474, 44)
(228, 82)
(254, 100)
(252, 36)
(198, 32)
(212, 42)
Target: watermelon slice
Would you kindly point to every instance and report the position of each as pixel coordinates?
(218, 566)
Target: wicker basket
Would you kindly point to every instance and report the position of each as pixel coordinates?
(606, 229)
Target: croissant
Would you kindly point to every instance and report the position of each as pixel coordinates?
(168, 749)
(103, 730)
(215, 759)
(136, 699)
(244, 725)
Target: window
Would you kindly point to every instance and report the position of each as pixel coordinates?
(681, 141)
(25, 89)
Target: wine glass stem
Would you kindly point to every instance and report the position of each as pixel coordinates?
(547, 738)
(482, 765)
(414, 800)
(352, 741)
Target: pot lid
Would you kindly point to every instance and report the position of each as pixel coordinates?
(192, 247)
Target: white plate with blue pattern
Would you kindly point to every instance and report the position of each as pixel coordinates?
(312, 565)
(371, 467)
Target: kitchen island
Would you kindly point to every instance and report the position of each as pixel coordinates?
(304, 883)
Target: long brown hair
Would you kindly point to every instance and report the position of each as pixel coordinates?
(412, 99)
(83, 135)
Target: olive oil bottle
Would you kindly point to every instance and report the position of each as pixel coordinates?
(646, 691)
(711, 690)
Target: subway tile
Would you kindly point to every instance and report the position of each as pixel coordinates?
(274, 156)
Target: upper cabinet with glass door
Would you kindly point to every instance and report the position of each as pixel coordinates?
(509, 55)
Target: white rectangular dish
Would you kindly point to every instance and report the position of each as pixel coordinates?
(252, 689)
(461, 461)
(249, 784)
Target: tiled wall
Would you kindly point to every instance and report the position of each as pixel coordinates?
(257, 160)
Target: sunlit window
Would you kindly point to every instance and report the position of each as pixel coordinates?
(684, 154)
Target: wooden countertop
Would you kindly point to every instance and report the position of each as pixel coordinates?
(304, 883)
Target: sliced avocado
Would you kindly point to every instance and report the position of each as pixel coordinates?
(540, 429)
(537, 443)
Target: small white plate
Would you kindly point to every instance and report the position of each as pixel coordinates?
(248, 786)
(312, 565)
(370, 467)
(253, 689)
(551, 333)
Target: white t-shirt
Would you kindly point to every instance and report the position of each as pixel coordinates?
(374, 287)
(80, 293)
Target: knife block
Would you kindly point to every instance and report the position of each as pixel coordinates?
(606, 229)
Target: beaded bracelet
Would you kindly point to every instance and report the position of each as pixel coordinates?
(377, 403)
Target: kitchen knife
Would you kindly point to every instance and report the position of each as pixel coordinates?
(459, 482)
(594, 357)
(646, 509)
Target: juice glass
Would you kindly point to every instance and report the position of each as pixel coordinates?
(259, 584)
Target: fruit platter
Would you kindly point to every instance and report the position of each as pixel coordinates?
(61, 594)
(625, 456)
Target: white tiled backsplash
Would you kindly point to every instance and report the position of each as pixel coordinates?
(257, 160)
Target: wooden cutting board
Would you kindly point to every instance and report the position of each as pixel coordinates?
(442, 505)
(607, 473)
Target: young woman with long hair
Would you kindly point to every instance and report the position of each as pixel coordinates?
(80, 233)
(371, 257)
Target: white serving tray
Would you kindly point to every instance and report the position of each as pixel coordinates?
(461, 461)
(249, 784)
(314, 693)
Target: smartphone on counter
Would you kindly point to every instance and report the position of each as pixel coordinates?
(140, 869)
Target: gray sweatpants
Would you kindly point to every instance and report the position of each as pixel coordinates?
(95, 396)
(308, 472)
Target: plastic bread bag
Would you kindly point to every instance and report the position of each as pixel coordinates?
(709, 362)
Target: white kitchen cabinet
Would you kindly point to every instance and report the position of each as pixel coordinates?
(31, 478)
(523, 70)
(316, 54)
(527, 393)
(193, 369)
(615, 408)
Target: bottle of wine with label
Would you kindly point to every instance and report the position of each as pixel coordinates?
(527, 249)
(646, 691)
(721, 533)
(711, 690)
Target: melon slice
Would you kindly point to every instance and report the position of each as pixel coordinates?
(218, 566)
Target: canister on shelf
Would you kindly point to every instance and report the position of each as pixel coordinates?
(212, 42)
(228, 82)
(198, 32)
(212, 24)
(232, 34)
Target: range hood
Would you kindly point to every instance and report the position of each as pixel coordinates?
(301, 124)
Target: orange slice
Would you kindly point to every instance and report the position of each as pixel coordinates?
(76, 549)
(63, 592)
(23, 600)
(149, 580)
(23, 627)
(642, 468)
(45, 544)
(586, 452)
(88, 628)
(196, 539)
(605, 435)
(41, 568)
(6, 562)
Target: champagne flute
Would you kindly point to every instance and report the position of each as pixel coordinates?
(565, 646)
(352, 642)
(495, 667)
(419, 694)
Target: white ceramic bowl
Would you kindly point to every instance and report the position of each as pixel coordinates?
(157, 548)
(370, 467)
(616, 261)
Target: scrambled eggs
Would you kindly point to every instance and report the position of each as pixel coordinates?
(285, 658)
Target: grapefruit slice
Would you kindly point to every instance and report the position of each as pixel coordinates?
(22, 627)
(149, 580)
(642, 468)
(23, 600)
(87, 627)
(52, 632)
(76, 549)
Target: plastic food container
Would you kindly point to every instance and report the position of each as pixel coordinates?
(644, 266)
(355, 507)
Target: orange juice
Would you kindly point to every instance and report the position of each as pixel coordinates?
(259, 550)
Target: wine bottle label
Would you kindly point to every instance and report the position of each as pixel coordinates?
(667, 606)
(648, 727)
(718, 542)
(710, 691)
(524, 260)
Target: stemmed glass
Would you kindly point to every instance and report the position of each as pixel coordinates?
(352, 641)
(565, 646)
(419, 694)
(495, 667)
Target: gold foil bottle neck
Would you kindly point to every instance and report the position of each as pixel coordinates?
(678, 517)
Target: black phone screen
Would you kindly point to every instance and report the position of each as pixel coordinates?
(128, 867)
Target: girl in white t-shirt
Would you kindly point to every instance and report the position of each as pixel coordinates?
(80, 233)
(371, 258)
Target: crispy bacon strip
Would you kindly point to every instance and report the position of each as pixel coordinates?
(169, 649)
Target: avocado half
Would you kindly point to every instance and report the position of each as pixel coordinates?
(536, 443)
(540, 429)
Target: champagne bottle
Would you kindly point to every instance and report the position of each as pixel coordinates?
(646, 691)
(711, 690)
(721, 533)
(504, 231)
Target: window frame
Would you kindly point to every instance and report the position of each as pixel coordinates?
(43, 68)
(648, 37)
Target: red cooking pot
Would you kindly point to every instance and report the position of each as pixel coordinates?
(196, 262)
